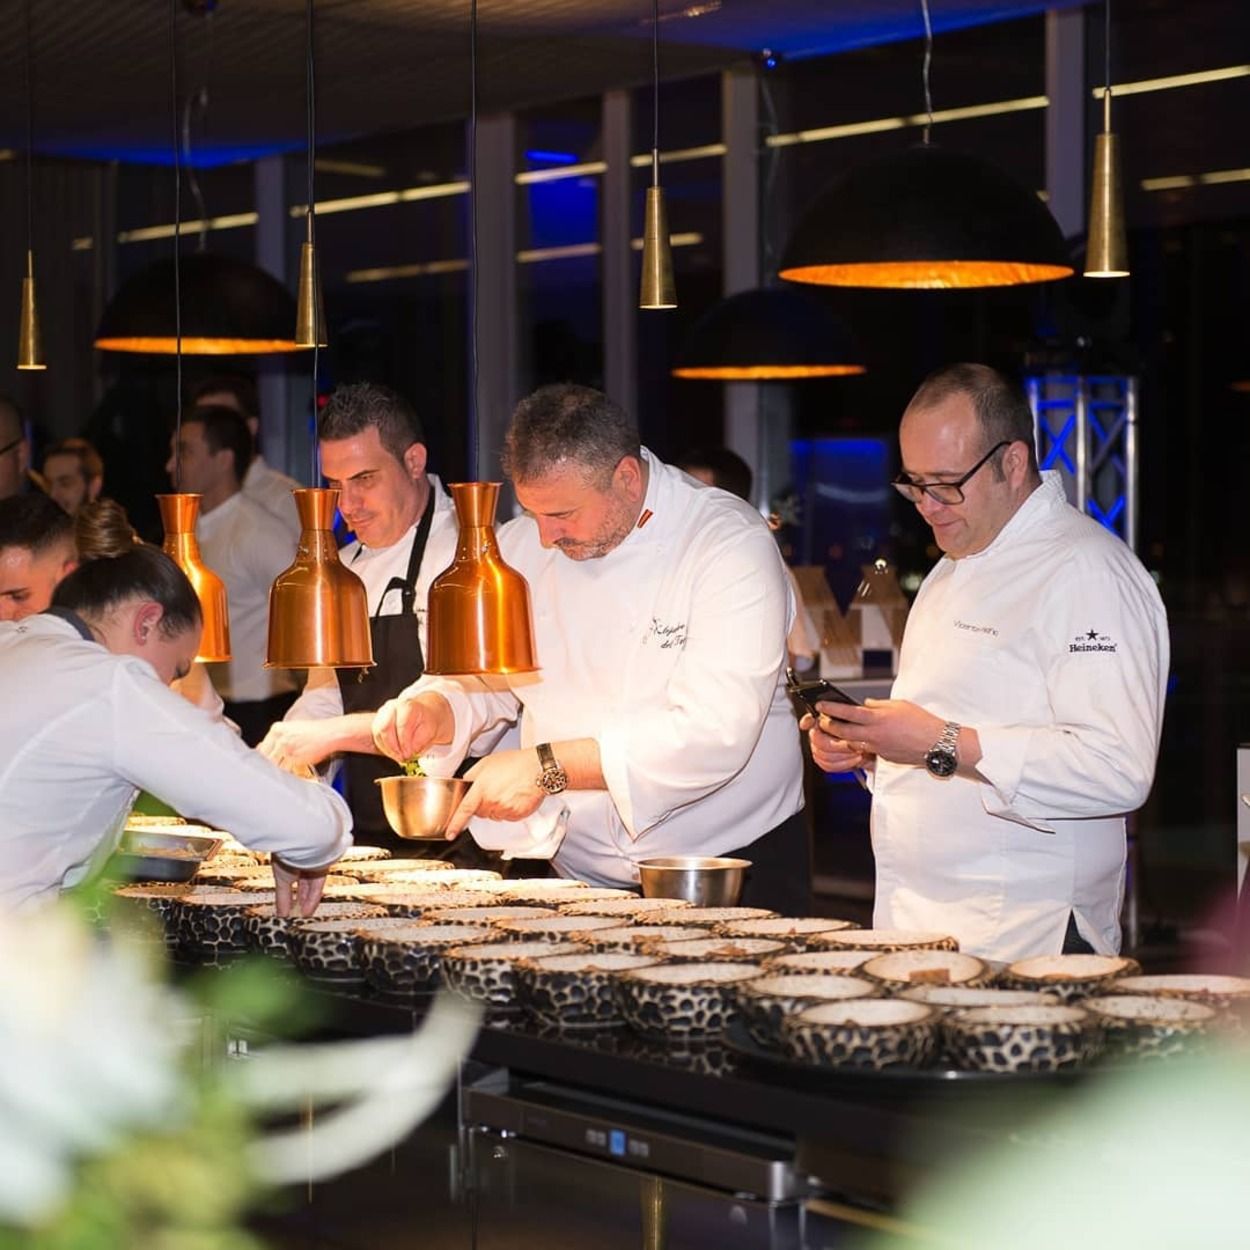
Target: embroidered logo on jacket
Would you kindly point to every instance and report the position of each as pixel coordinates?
(1091, 640)
(669, 636)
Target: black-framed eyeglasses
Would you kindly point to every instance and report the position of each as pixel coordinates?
(8, 447)
(943, 492)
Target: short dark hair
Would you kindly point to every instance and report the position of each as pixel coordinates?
(96, 587)
(564, 422)
(1002, 408)
(728, 469)
(225, 430)
(240, 387)
(89, 462)
(35, 523)
(353, 409)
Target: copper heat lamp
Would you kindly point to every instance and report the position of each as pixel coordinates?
(318, 610)
(178, 515)
(479, 609)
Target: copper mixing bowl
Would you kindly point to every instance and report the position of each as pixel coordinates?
(421, 808)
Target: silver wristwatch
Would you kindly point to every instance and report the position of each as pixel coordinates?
(941, 759)
(553, 778)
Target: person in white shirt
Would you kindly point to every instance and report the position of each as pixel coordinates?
(1024, 723)
(247, 548)
(373, 452)
(262, 482)
(89, 720)
(658, 722)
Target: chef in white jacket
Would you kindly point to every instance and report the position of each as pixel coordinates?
(89, 720)
(1024, 723)
(657, 723)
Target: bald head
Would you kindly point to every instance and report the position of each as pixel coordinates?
(14, 450)
(36, 551)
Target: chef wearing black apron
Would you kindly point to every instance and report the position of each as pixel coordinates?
(397, 662)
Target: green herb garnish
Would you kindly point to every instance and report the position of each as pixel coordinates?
(412, 768)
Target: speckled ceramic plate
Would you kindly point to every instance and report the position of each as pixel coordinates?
(705, 917)
(632, 937)
(687, 1001)
(883, 940)
(408, 959)
(768, 1000)
(715, 949)
(486, 971)
(1015, 1039)
(793, 930)
(1069, 976)
(576, 991)
(556, 928)
(632, 908)
(871, 1033)
(844, 963)
(1143, 1026)
(900, 970)
(1219, 991)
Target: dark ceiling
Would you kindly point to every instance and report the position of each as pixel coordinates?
(101, 72)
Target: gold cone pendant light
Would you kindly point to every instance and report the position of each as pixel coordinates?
(318, 610)
(479, 609)
(658, 289)
(178, 515)
(1106, 248)
(29, 342)
(310, 317)
(1106, 252)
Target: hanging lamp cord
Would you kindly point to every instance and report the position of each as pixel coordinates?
(173, 95)
(924, 71)
(310, 82)
(474, 410)
(655, 93)
(30, 140)
(1106, 73)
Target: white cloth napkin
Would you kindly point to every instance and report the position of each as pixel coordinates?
(536, 837)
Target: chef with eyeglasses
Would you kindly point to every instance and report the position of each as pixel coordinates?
(1024, 722)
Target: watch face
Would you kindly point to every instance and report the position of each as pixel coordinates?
(941, 763)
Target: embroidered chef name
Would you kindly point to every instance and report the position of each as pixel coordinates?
(1091, 640)
(977, 629)
(670, 637)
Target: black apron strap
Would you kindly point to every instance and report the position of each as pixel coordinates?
(72, 618)
(398, 662)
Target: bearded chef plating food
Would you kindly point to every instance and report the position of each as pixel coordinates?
(658, 723)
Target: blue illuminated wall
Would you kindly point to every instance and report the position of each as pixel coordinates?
(843, 494)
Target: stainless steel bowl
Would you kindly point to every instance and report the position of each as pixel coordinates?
(421, 808)
(705, 881)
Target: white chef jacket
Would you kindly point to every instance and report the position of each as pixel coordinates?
(83, 730)
(272, 490)
(247, 547)
(376, 566)
(668, 651)
(1052, 644)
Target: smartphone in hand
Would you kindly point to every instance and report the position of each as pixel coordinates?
(809, 693)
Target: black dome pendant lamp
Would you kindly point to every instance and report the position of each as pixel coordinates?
(228, 306)
(926, 218)
(772, 334)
